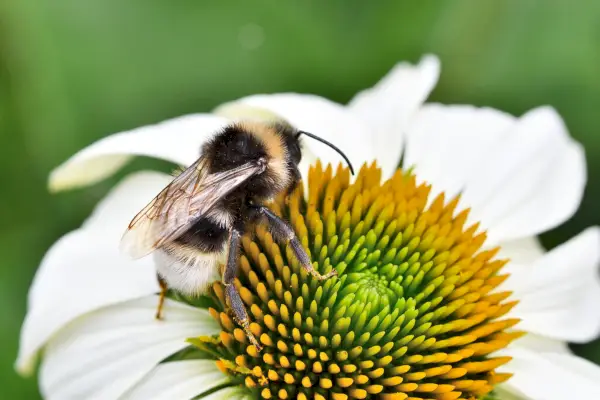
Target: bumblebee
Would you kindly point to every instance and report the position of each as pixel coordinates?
(195, 224)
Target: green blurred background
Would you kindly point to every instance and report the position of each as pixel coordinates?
(73, 71)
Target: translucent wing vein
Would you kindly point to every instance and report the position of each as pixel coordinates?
(189, 196)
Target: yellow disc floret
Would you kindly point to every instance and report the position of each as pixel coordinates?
(412, 314)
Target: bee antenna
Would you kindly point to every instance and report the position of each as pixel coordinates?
(340, 152)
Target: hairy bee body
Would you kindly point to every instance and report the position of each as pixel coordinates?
(195, 224)
(190, 262)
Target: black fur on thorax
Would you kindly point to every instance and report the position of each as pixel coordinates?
(230, 148)
(234, 147)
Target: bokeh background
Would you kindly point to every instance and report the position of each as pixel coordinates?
(73, 71)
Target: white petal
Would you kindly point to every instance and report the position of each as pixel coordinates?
(230, 393)
(522, 251)
(551, 376)
(532, 181)
(180, 380)
(177, 140)
(446, 143)
(578, 365)
(105, 353)
(520, 178)
(391, 103)
(78, 275)
(112, 215)
(559, 294)
(86, 266)
(541, 344)
(326, 119)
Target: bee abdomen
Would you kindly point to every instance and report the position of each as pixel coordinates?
(204, 235)
(187, 270)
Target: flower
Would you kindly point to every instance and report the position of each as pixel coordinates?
(411, 312)
(475, 179)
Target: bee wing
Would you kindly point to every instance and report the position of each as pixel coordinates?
(189, 196)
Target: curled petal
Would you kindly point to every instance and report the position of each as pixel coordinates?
(177, 140)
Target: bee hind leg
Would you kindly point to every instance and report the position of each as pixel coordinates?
(231, 293)
(161, 299)
(283, 233)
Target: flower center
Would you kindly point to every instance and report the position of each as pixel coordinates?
(412, 313)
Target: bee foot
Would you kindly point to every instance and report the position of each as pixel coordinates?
(255, 343)
(328, 275)
(251, 338)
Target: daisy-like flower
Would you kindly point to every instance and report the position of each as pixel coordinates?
(443, 290)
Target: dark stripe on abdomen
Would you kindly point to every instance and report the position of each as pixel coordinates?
(205, 236)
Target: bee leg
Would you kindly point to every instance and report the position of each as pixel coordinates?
(283, 233)
(161, 299)
(231, 293)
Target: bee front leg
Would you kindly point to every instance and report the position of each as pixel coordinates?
(161, 299)
(231, 293)
(283, 233)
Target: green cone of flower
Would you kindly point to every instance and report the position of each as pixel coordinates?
(412, 313)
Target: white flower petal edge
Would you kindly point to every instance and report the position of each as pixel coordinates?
(82, 276)
(559, 293)
(324, 118)
(84, 270)
(541, 344)
(229, 394)
(372, 126)
(179, 380)
(112, 214)
(522, 251)
(539, 188)
(103, 354)
(177, 140)
(520, 176)
(391, 103)
(446, 143)
(550, 376)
